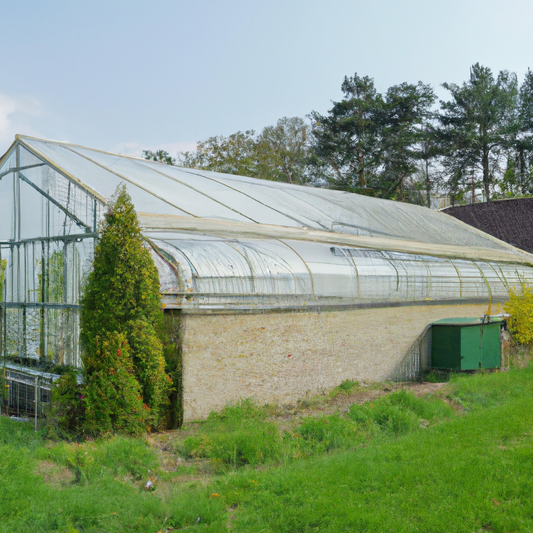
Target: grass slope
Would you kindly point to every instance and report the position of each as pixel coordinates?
(474, 473)
(372, 469)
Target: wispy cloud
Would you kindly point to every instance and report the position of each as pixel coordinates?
(135, 149)
(16, 116)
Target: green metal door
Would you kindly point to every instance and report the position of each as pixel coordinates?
(471, 347)
(491, 346)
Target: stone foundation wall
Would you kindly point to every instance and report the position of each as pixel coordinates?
(282, 357)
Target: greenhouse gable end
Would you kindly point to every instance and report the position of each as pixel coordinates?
(281, 291)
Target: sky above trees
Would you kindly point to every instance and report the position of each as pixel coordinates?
(127, 76)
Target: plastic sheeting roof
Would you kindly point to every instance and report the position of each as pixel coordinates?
(199, 197)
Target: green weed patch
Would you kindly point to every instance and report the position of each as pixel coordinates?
(239, 435)
(117, 457)
(399, 413)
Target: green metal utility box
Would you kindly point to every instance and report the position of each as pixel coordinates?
(466, 343)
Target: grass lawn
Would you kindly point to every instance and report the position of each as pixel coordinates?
(460, 461)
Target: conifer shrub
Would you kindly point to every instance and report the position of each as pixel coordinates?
(122, 335)
(68, 402)
(520, 309)
(124, 283)
(149, 365)
(170, 334)
(112, 398)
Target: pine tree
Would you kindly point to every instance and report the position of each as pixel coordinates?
(477, 123)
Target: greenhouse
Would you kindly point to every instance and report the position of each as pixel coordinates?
(283, 291)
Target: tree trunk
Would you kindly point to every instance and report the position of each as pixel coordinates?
(288, 174)
(486, 174)
(361, 169)
(428, 184)
(522, 159)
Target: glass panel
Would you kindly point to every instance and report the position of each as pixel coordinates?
(221, 196)
(224, 269)
(14, 332)
(6, 207)
(27, 158)
(62, 336)
(275, 198)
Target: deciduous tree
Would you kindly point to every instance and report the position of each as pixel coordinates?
(234, 154)
(162, 156)
(282, 151)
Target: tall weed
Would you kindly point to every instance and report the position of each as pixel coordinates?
(115, 457)
(488, 389)
(398, 413)
(19, 434)
(325, 433)
(238, 435)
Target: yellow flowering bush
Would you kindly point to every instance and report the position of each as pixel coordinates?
(520, 309)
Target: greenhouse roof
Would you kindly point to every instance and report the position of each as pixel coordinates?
(224, 242)
(173, 199)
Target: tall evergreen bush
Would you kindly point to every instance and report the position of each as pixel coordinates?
(122, 326)
(111, 397)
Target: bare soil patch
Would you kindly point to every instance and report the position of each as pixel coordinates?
(57, 476)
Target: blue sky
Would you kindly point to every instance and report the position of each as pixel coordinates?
(126, 75)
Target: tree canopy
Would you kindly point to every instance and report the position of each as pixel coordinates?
(278, 153)
(395, 144)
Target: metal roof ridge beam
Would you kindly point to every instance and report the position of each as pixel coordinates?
(245, 229)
